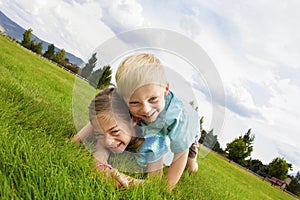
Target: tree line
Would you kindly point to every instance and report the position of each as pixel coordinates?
(239, 150)
(99, 78)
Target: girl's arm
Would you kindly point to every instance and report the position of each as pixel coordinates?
(177, 167)
(86, 131)
(101, 156)
(155, 168)
(122, 180)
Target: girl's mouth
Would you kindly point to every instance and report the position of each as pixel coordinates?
(117, 149)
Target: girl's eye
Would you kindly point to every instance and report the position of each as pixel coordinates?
(115, 132)
(99, 135)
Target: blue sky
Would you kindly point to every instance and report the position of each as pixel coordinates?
(254, 45)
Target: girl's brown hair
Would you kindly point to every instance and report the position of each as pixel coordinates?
(107, 105)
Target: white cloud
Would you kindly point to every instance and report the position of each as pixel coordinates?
(122, 15)
(75, 27)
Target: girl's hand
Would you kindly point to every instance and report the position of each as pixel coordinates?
(123, 180)
(135, 181)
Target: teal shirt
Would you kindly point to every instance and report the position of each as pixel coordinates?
(175, 129)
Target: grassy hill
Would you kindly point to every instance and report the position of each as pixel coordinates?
(38, 161)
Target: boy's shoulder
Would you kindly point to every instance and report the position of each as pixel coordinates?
(172, 101)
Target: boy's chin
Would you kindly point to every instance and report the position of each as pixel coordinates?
(147, 120)
(150, 119)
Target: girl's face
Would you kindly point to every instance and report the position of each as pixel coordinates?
(148, 101)
(110, 135)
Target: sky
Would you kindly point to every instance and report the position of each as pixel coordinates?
(254, 46)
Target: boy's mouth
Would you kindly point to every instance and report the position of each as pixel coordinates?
(149, 116)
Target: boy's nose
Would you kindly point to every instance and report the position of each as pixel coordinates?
(146, 109)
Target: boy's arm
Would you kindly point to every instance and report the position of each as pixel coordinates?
(86, 131)
(177, 167)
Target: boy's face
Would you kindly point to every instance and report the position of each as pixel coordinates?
(110, 135)
(148, 101)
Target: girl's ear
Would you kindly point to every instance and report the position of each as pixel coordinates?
(166, 89)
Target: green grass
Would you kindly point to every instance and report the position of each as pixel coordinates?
(38, 161)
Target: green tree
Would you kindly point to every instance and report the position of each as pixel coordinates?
(248, 139)
(50, 52)
(258, 167)
(241, 148)
(294, 185)
(279, 168)
(192, 103)
(26, 42)
(95, 77)
(210, 139)
(88, 68)
(237, 151)
(101, 77)
(201, 123)
(60, 57)
(105, 78)
(36, 47)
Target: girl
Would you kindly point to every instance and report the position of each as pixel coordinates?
(115, 133)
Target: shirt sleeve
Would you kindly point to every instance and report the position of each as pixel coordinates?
(182, 125)
(153, 148)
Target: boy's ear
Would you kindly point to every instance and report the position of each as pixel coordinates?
(167, 89)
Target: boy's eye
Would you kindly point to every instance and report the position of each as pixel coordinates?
(133, 103)
(153, 99)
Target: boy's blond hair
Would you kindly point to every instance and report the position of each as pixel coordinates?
(138, 70)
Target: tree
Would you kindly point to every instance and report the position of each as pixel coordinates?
(258, 167)
(210, 139)
(279, 168)
(241, 148)
(192, 103)
(248, 139)
(201, 123)
(254, 165)
(101, 77)
(237, 151)
(95, 77)
(50, 52)
(203, 135)
(105, 78)
(36, 47)
(26, 42)
(88, 68)
(60, 57)
(294, 185)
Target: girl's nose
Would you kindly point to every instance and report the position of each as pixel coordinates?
(109, 141)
